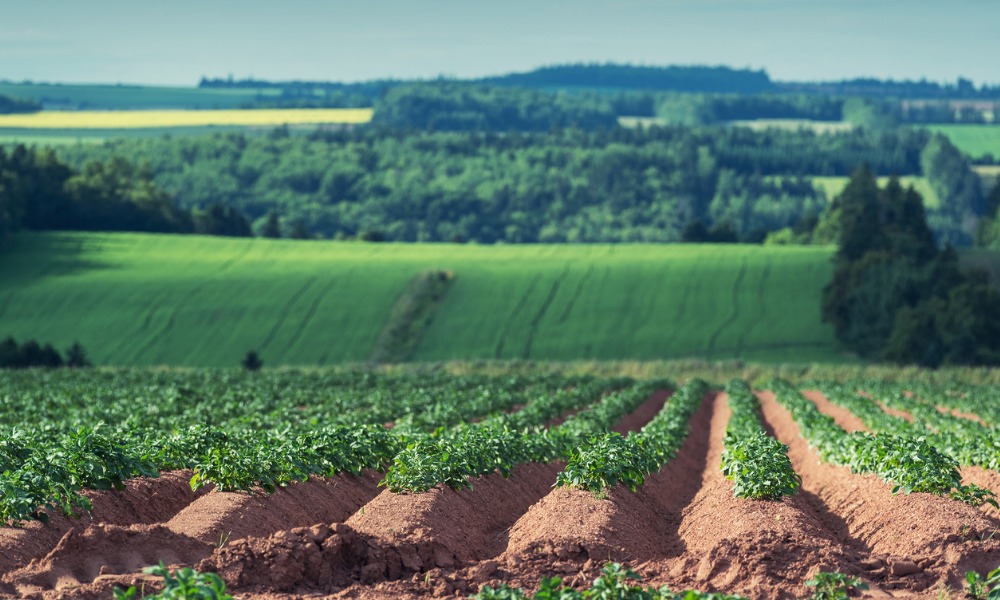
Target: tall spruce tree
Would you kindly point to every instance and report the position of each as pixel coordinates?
(894, 295)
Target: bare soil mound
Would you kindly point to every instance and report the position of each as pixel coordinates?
(144, 500)
(914, 542)
(83, 555)
(222, 516)
(445, 527)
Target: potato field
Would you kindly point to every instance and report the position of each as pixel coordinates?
(379, 484)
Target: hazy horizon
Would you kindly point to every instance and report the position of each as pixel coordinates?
(117, 41)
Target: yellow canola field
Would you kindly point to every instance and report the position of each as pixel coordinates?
(141, 119)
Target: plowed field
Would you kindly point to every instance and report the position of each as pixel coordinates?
(346, 537)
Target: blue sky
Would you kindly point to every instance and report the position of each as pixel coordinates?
(176, 42)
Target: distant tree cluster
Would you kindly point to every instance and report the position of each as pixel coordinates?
(895, 296)
(640, 77)
(473, 107)
(10, 105)
(38, 191)
(31, 354)
(988, 232)
(566, 185)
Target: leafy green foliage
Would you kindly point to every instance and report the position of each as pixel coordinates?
(235, 430)
(757, 463)
(895, 452)
(183, 584)
(983, 588)
(453, 457)
(608, 459)
(615, 582)
(563, 185)
(834, 586)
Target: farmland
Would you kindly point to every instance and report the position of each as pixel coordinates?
(135, 299)
(401, 485)
(975, 140)
(832, 186)
(131, 97)
(142, 119)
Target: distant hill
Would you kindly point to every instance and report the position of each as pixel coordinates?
(140, 299)
(634, 77)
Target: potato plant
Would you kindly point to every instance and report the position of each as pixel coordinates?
(757, 463)
(908, 462)
(608, 459)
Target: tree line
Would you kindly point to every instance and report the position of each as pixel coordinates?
(31, 354)
(566, 185)
(669, 78)
(896, 296)
(39, 191)
(10, 105)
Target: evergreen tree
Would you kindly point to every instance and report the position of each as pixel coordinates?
(272, 227)
(76, 356)
(894, 296)
(252, 361)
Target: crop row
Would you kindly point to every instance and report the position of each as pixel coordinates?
(757, 463)
(908, 462)
(453, 456)
(965, 440)
(45, 463)
(607, 459)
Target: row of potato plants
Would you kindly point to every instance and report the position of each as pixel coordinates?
(757, 463)
(908, 462)
(965, 440)
(48, 457)
(456, 456)
(607, 459)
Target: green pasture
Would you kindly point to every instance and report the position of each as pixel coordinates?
(832, 186)
(974, 140)
(109, 96)
(136, 299)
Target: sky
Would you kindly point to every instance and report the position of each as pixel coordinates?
(178, 42)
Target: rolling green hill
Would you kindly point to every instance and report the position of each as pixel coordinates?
(189, 300)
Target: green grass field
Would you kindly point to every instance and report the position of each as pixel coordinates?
(832, 186)
(188, 300)
(974, 140)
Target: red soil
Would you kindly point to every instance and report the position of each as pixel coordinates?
(684, 528)
(159, 519)
(932, 539)
(144, 501)
(962, 415)
(843, 417)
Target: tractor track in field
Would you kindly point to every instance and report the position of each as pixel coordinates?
(509, 322)
(183, 302)
(344, 537)
(304, 323)
(285, 311)
(576, 295)
(734, 316)
(540, 314)
(761, 287)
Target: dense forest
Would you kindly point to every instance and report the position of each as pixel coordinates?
(10, 105)
(38, 191)
(565, 185)
(895, 295)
